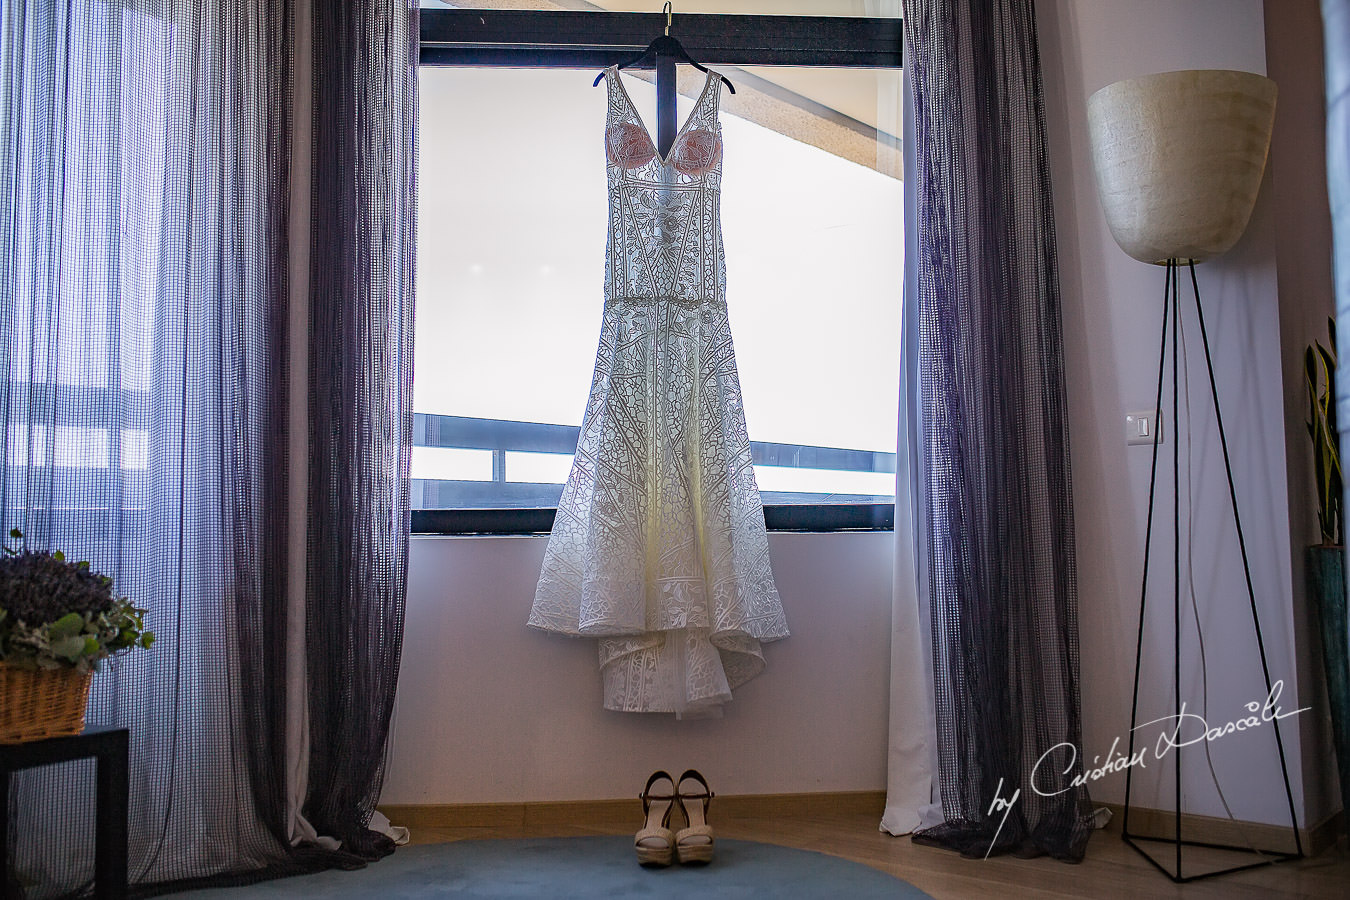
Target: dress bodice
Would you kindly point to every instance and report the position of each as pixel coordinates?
(665, 237)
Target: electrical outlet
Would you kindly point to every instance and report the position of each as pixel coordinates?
(1143, 427)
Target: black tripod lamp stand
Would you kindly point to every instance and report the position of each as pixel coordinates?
(1179, 158)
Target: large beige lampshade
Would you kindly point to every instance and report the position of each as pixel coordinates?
(1179, 158)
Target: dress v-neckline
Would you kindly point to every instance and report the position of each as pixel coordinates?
(632, 107)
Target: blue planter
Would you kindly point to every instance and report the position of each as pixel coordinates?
(1326, 589)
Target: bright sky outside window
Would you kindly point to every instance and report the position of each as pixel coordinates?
(511, 270)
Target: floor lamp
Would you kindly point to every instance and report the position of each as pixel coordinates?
(1179, 158)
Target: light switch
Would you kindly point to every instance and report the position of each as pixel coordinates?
(1143, 427)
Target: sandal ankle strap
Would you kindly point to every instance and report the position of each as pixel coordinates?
(706, 794)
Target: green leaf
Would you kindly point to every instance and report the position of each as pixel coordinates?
(1327, 355)
(69, 649)
(66, 626)
(1319, 368)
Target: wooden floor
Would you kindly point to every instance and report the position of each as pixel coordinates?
(1111, 869)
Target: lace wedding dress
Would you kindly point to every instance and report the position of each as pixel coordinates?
(658, 548)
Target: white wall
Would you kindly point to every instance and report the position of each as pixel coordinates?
(1112, 308)
(489, 711)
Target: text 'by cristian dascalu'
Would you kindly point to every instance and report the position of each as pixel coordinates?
(1177, 731)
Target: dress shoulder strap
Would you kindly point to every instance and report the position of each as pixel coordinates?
(620, 107)
(705, 111)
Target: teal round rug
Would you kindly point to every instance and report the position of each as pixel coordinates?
(583, 867)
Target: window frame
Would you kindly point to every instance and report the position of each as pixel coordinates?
(483, 38)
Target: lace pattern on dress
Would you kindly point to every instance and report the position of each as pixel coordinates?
(659, 548)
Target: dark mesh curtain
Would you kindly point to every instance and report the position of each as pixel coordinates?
(998, 517)
(360, 363)
(143, 161)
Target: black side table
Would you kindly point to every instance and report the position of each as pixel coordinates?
(109, 748)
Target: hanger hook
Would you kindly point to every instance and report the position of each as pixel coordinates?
(667, 10)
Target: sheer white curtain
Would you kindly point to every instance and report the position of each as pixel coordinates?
(164, 249)
(143, 158)
(909, 761)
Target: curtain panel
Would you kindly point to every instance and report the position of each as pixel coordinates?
(911, 742)
(996, 516)
(1336, 53)
(143, 158)
(1336, 40)
(147, 303)
(361, 264)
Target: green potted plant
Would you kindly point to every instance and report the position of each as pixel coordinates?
(58, 621)
(1326, 561)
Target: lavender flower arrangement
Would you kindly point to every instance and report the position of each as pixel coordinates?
(59, 614)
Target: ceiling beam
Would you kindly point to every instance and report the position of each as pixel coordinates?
(584, 40)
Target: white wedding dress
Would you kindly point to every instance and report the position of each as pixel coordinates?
(659, 548)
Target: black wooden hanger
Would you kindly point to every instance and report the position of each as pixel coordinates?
(666, 51)
(669, 47)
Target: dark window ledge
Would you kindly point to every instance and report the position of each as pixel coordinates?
(787, 517)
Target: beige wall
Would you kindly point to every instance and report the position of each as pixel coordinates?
(490, 711)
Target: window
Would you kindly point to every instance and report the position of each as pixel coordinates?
(83, 308)
(511, 270)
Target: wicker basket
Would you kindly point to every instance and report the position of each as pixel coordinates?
(41, 703)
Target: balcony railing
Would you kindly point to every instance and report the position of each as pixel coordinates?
(495, 495)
